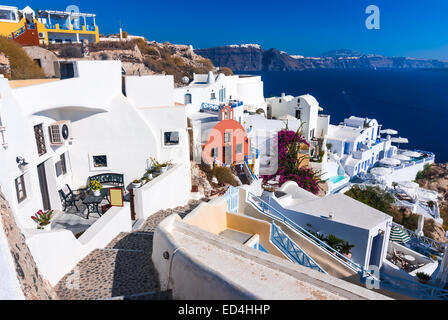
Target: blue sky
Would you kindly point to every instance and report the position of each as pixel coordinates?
(308, 27)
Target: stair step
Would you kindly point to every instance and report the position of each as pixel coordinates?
(154, 295)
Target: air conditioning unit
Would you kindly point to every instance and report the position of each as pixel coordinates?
(60, 132)
(42, 35)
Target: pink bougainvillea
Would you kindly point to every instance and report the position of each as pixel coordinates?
(288, 165)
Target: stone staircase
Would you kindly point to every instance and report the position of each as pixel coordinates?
(123, 270)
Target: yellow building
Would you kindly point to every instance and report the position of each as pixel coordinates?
(51, 26)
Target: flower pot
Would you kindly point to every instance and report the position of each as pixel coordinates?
(97, 193)
(136, 185)
(348, 255)
(422, 281)
(163, 169)
(45, 228)
(148, 176)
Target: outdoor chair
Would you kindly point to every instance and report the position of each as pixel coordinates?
(69, 198)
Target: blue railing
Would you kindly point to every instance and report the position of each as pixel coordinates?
(210, 107)
(438, 246)
(291, 249)
(246, 163)
(387, 282)
(412, 288)
(19, 32)
(232, 197)
(273, 213)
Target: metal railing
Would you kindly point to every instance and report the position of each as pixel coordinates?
(292, 250)
(386, 281)
(424, 240)
(273, 213)
(412, 288)
(18, 32)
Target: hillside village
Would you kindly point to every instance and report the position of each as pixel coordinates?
(154, 174)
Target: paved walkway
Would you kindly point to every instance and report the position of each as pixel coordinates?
(123, 270)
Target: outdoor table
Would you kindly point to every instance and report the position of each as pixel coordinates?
(409, 258)
(93, 202)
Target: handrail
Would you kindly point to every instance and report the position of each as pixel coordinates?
(343, 259)
(434, 244)
(420, 290)
(387, 281)
(292, 250)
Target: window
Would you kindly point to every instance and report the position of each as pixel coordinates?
(171, 138)
(100, 161)
(40, 140)
(226, 114)
(61, 166)
(20, 189)
(9, 15)
(187, 99)
(227, 137)
(214, 153)
(239, 148)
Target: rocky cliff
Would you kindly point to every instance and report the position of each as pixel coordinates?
(436, 178)
(34, 286)
(255, 58)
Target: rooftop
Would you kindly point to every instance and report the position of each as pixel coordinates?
(344, 209)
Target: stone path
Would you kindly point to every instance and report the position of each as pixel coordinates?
(123, 270)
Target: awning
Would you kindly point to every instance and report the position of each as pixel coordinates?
(399, 235)
(389, 131)
(399, 140)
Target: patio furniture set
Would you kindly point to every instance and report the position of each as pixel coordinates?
(404, 261)
(93, 202)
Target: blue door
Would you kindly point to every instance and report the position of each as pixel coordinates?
(377, 249)
(347, 148)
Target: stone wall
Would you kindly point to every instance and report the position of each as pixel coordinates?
(34, 286)
(5, 67)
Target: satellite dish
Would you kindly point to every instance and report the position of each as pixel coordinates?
(185, 80)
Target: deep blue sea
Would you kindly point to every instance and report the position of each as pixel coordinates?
(413, 102)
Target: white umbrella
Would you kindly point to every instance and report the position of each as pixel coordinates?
(412, 154)
(390, 162)
(389, 131)
(381, 171)
(409, 185)
(401, 157)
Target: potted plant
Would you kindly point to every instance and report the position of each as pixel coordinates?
(423, 277)
(345, 248)
(96, 187)
(268, 191)
(148, 174)
(136, 184)
(334, 242)
(165, 166)
(43, 219)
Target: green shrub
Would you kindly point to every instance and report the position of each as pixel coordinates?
(373, 197)
(225, 176)
(22, 66)
(425, 174)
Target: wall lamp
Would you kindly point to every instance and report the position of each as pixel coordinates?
(22, 163)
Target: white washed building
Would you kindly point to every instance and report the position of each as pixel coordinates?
(62, 132)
